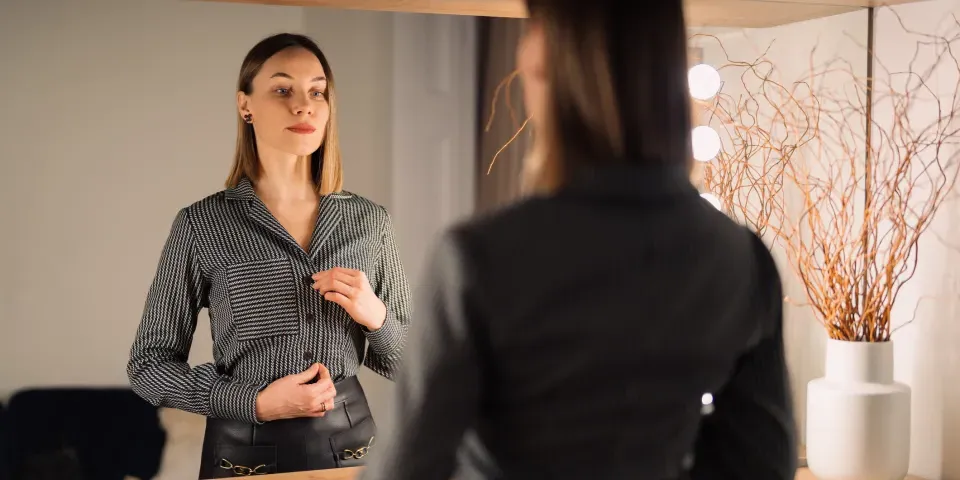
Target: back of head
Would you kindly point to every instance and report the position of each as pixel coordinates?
(616, 85)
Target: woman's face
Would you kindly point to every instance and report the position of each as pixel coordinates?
(288, 103)
(531, 53)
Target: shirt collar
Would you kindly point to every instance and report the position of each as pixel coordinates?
(627, 180)
(242, 191)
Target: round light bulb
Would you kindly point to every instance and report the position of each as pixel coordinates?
(704, 81)
(716, 204)
(706, 143)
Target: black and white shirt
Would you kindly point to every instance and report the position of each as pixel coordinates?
(229, 254)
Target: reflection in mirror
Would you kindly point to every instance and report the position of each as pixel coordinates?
(106, 136)
(134, 118)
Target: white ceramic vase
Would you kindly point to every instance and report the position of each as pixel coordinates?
(858, 418)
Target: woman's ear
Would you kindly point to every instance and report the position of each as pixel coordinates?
(243, 104)
(531, 51)
(531, 63)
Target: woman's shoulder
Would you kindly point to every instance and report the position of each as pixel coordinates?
(496, 230)
(359, 208)
(355, 199)
(500, 221)
(213, 203)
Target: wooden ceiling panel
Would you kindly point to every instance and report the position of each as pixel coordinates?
(700, 13)
(756, 13)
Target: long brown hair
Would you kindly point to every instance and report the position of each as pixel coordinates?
(325, 164)
(617, 83)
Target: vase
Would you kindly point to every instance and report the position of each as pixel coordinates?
(858, 418)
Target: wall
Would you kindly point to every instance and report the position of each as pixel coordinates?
(926, 356)
(926, 351)
(119, 113)
(115, 115)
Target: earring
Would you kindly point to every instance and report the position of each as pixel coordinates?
(248, 118)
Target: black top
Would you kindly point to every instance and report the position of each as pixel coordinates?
(579, 336)
(228, 254)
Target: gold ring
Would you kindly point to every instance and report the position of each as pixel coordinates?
(323, 407)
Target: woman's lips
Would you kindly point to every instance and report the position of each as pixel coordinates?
(302, 128)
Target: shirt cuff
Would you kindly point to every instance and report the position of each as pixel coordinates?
(234, 400)
(388, 338)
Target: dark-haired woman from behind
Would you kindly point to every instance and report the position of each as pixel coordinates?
(298, 276)
(614, 325)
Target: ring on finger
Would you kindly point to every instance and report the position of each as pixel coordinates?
(323, 407)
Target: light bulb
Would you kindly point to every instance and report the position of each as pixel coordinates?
(706, 143)
(704, 81)
(716, 204)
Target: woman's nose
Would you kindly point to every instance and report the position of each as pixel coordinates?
(300, 105)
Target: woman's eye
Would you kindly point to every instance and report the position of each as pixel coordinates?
(318, 94)
(282, 91)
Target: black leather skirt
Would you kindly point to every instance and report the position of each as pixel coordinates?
(341, 438)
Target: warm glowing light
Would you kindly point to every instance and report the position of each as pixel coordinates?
(704, 81)
(706, 143)
(716, 204)
(707, 401)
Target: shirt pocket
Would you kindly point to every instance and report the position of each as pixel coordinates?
(263, 299)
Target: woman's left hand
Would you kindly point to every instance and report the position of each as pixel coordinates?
(351, 290)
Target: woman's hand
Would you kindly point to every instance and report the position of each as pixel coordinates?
(294, 396)
(351, 290)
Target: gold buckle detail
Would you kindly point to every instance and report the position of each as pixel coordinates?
(358, 453)
(241, 470)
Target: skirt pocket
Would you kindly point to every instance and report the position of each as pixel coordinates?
(350, 447)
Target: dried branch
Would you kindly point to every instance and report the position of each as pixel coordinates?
(796, 167)
(505, 85)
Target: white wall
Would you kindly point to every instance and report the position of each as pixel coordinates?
(926, 355)
(117, 113)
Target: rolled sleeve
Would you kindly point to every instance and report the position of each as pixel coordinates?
(389, 337)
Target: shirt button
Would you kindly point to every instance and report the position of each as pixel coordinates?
(308, 356)
(308, 280)
(311, 318)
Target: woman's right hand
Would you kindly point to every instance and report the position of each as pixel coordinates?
(293, 396)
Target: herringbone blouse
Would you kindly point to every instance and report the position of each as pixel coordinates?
(227, 253)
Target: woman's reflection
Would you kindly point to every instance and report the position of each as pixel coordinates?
(296, 274)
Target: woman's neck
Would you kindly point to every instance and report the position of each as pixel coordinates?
(285, 177)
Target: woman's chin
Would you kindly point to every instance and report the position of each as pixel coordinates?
(301, 150)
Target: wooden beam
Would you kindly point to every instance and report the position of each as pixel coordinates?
(757, 13)
(477, 8)
(711, 13)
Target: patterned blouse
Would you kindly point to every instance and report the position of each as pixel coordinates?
(227, 253)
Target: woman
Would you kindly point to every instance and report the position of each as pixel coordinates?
(297, 275)
(615, 325)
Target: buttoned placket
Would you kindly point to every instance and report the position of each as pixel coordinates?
(304, 263)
